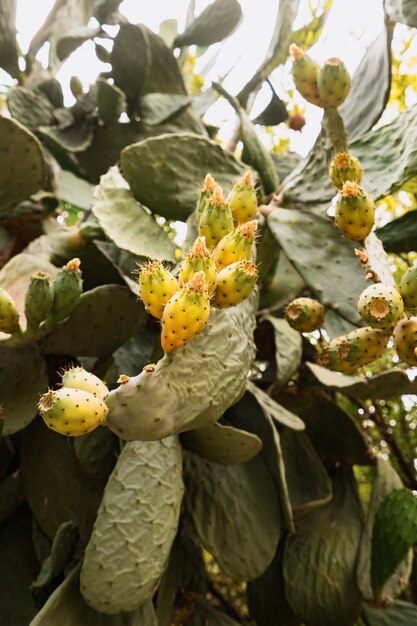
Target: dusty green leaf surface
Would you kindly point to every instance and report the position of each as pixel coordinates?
(8, 44)
(164, 174)
(404, 11)
(126, 222)
(23, 378)
(96, 453)
(274, 410)
(129, 59)
(236, 512)
(29, 109)
(74, 190)
(63, 548)
(322, 554)
(172, 398)
(157, 108)
(400, 614)
(400, 235)
(386, 479)
(135, 527)
(213, 24)
(71, 15)
(111, 101)
(288, 349)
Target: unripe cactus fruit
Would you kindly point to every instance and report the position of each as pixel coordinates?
(354, 211)
(79, 378)
(408, 288)
(344, 167)
(76, 87)
(9, 315)
(72, 412)
(197, 260)
(236, 246)
(405, 340)
(205, 193)
(333, 83)
(186, 314)
(216, 219)
(305, 314)
(242, 199)
(360, 347)
(305, 72)
(235, 283)
(38, 300)
(67, 288)
(380, 306)
(156, 286)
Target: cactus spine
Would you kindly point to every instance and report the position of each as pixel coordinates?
(67, 288)
(408, 288)
(216, 219)
(79, 378)
(405, 340)
(354, 211)
(235, 283)
(305, 72)
(242, 199)
(9, 315)
(305, 314)
(198, 259)
(156, 286)
(236, 246)
(344, 167)
(333, 83)
(186, 313)
(38, 300)
(380, 306)
(72, 412)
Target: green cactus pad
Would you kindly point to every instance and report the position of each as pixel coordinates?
(104, 318)
(9, 53)
(394, 533)
(111, 101)
(214, 24)
(163, 172)
(319, 560)
(29, 109)
(385, 481)
(55, 486)
(23, 169)
(157, 108)
(63, 548)
(288, 349)
(223, 444)
(138, 519)
(139, 407)
(126, 222)
(23, 378)
(398, 614)
(96, 453)
(278, 414)
(236, 512)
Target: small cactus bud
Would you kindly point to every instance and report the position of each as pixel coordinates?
(345, 167)
(205, 194)
(156, 286)
(79, 378)
(380, 306)
(38, 300)
(9, 315)
(305, 72)
(235, 283)
(72, 412)
(408, 288)
(305, 314)
(103, 54)
(76, 87)
(198, 259)
(236, 246)
(333, 83)
(216, 219)
(354, 211)
(242, 199)
(67, 289)
(405, 340)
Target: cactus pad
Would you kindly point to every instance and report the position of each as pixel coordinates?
(221, 443)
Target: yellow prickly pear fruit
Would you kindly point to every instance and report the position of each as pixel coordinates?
(79, 378)
(235, 284)
(380, 306)
(216, 219)
(9, 315)
(405, 340)
(333, 83)
(236, 246)
(242, 199)
(305, 72)
(354, 211)
(186, 314)
(360, 347)
(198, 260)
(72, 412)
(205, 194)
(408, 288)
(344, 167)
(156, 286)
(305, 314)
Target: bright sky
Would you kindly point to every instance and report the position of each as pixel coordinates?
(351, 27)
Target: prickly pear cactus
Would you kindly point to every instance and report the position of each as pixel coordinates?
(135, 527)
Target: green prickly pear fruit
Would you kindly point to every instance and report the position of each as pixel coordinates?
(405, 340)
(205, 194)
(235, 283)
(354, 211)
(408, 288)
(76, 87)
(360, 347)
(38, 300)
(305, 314)
(333, 83)
(9, 315)
(344, 167)
(236, 246)
(197, 260)
(67, 288)
(305, 72)
(79, 378)
(242, 199)
(186, 314)
(156, 286)
(72, 412)
(380, 306)
(216, 219)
